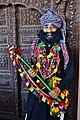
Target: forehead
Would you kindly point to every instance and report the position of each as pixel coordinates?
(50, 24)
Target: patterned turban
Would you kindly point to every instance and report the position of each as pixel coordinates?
(50, 17)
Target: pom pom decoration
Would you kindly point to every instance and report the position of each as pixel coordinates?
(57, 105)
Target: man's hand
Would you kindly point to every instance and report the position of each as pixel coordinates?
(31, 72)
(55, 92)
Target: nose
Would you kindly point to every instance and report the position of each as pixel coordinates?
(49, 29)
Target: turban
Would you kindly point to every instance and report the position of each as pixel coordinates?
(50, 17)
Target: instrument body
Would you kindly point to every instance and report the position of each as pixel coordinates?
(57, 105)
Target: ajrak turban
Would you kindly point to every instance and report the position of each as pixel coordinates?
(50, 17)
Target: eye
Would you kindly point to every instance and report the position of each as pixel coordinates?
(53, 26)
(46, 27)
(54, 29)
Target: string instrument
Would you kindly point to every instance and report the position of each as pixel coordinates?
(57, 105)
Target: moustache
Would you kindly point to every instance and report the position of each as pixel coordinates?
(50, 37)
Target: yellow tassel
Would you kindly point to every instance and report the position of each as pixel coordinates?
(66, 94)
(20, 70)
(37, 81)
(55, 109)
(17, 56)
(50, 55)
(58, 79)
(11, 52)
(38, 65)
(38, 90)
(11, 56)
(62, 95)
(31, 89)
(55, 70)
(40, 55)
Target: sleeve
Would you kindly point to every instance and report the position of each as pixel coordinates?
(67, 81)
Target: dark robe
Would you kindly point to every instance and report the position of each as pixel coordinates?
(35, 108)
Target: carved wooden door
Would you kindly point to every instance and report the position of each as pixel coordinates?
(8, 80)
(19, 25)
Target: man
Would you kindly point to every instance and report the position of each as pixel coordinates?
(50, 52)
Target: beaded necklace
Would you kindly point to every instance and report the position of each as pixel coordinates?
(47, 64)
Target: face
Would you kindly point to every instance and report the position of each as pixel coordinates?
(49, 30)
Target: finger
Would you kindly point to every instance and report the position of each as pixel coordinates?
(31, 72)
(51, 94)
(55, 96)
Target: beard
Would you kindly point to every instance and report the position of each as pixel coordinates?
(51, 37)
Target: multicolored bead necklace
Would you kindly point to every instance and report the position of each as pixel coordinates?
(47, 64)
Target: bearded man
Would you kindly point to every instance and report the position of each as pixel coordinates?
(53, 63)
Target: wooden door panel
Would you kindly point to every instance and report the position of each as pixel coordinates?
(28, 27)
(8, 81)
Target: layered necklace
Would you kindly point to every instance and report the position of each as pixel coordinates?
(48, 64)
